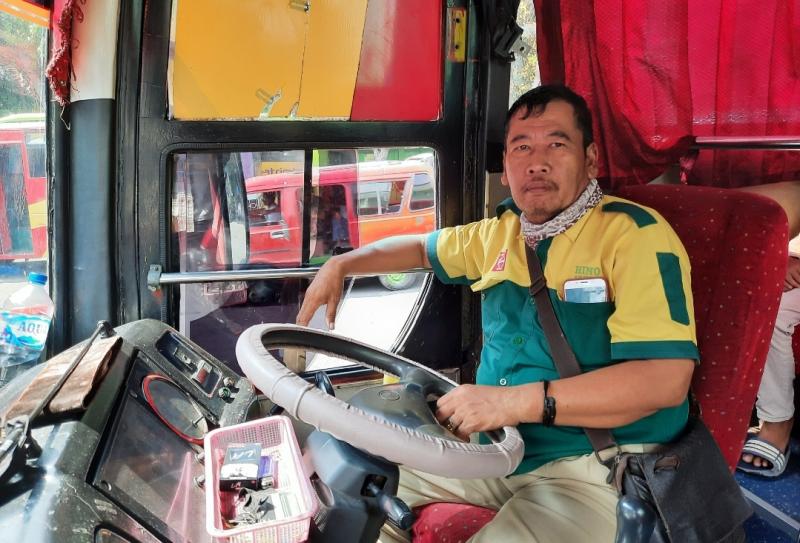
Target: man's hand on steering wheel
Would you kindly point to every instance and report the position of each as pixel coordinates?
(478, 408)
(393, 421)
(326, 289)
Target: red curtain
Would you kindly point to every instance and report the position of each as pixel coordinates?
(656, 74)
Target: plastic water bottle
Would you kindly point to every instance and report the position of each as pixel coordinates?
(25, 318)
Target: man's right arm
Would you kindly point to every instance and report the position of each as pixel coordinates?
(393, 254)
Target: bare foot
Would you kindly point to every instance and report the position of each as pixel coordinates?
(775, 433)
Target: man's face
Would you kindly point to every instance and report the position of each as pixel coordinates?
(544, 162)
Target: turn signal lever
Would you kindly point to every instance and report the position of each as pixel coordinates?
(396, 510)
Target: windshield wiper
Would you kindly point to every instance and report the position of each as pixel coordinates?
(18, 446)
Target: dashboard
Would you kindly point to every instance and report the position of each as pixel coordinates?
(130, 467)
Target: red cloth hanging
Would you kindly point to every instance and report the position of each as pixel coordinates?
(656, 74)
(59, 69)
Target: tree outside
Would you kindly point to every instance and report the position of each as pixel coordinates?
(525, 68)
(23, 54)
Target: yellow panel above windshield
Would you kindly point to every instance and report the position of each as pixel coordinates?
(267, 59)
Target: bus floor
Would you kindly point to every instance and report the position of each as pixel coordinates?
(775, 501)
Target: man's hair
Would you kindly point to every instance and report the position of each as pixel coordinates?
(535, 101)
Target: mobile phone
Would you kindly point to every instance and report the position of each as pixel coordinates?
(586, 291)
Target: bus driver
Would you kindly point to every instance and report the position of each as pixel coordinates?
(636, 345)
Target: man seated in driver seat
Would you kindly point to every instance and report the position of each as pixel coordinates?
(635, 338)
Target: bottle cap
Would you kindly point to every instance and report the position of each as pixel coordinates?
(37, 278)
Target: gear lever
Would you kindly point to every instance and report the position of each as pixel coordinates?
(396, 509)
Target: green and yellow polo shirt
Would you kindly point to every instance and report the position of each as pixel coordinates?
(649, 313)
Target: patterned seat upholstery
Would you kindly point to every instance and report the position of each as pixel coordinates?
(737, 245)
(449, 522)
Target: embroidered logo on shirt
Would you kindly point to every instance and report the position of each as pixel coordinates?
(591, 271)
(500, 263)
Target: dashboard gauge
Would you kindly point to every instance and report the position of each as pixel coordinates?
(175, 408)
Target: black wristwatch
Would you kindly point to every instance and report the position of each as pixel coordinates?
(549, 410)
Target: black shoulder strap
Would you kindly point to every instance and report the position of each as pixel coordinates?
(563, 356)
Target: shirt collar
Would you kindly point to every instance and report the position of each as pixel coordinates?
(507, 205)
(575, 230)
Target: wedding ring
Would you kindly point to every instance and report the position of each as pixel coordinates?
(450, 426)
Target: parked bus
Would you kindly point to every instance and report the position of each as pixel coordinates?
(357, 204)
(190, 165)
(23, 222)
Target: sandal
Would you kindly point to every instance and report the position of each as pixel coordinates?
(765, 451)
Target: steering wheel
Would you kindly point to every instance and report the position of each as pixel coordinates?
(393, 421)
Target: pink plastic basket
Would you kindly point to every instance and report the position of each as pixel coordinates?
(276, 435)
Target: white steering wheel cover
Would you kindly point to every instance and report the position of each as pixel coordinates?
(366, 431)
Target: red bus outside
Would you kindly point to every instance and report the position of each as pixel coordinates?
(23, 192)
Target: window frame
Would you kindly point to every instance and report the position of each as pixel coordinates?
(143, 108)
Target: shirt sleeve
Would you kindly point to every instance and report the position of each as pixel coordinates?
(457, 255)
(651, 283)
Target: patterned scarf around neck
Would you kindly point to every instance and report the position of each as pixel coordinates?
(534, 233)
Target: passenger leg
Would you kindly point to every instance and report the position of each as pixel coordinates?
(775, 405)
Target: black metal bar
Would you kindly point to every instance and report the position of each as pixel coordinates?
(767, 143)
(178, 278)
(305, 254)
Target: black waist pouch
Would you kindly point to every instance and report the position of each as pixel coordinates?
(688, 484)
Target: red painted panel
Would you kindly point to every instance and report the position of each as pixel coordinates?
(400, 70)
(35, 188)
(39, 236)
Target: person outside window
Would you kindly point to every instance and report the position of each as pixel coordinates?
(340, 237)
(637, 347)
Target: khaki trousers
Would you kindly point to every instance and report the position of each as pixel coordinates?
(564, 501)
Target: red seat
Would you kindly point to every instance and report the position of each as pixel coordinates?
(737, 245)
(449, 522)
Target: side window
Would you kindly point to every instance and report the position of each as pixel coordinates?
(368, 199)
(392, 196)
(247, 210)
(23, 179)
(422, 192)
(380, 197)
